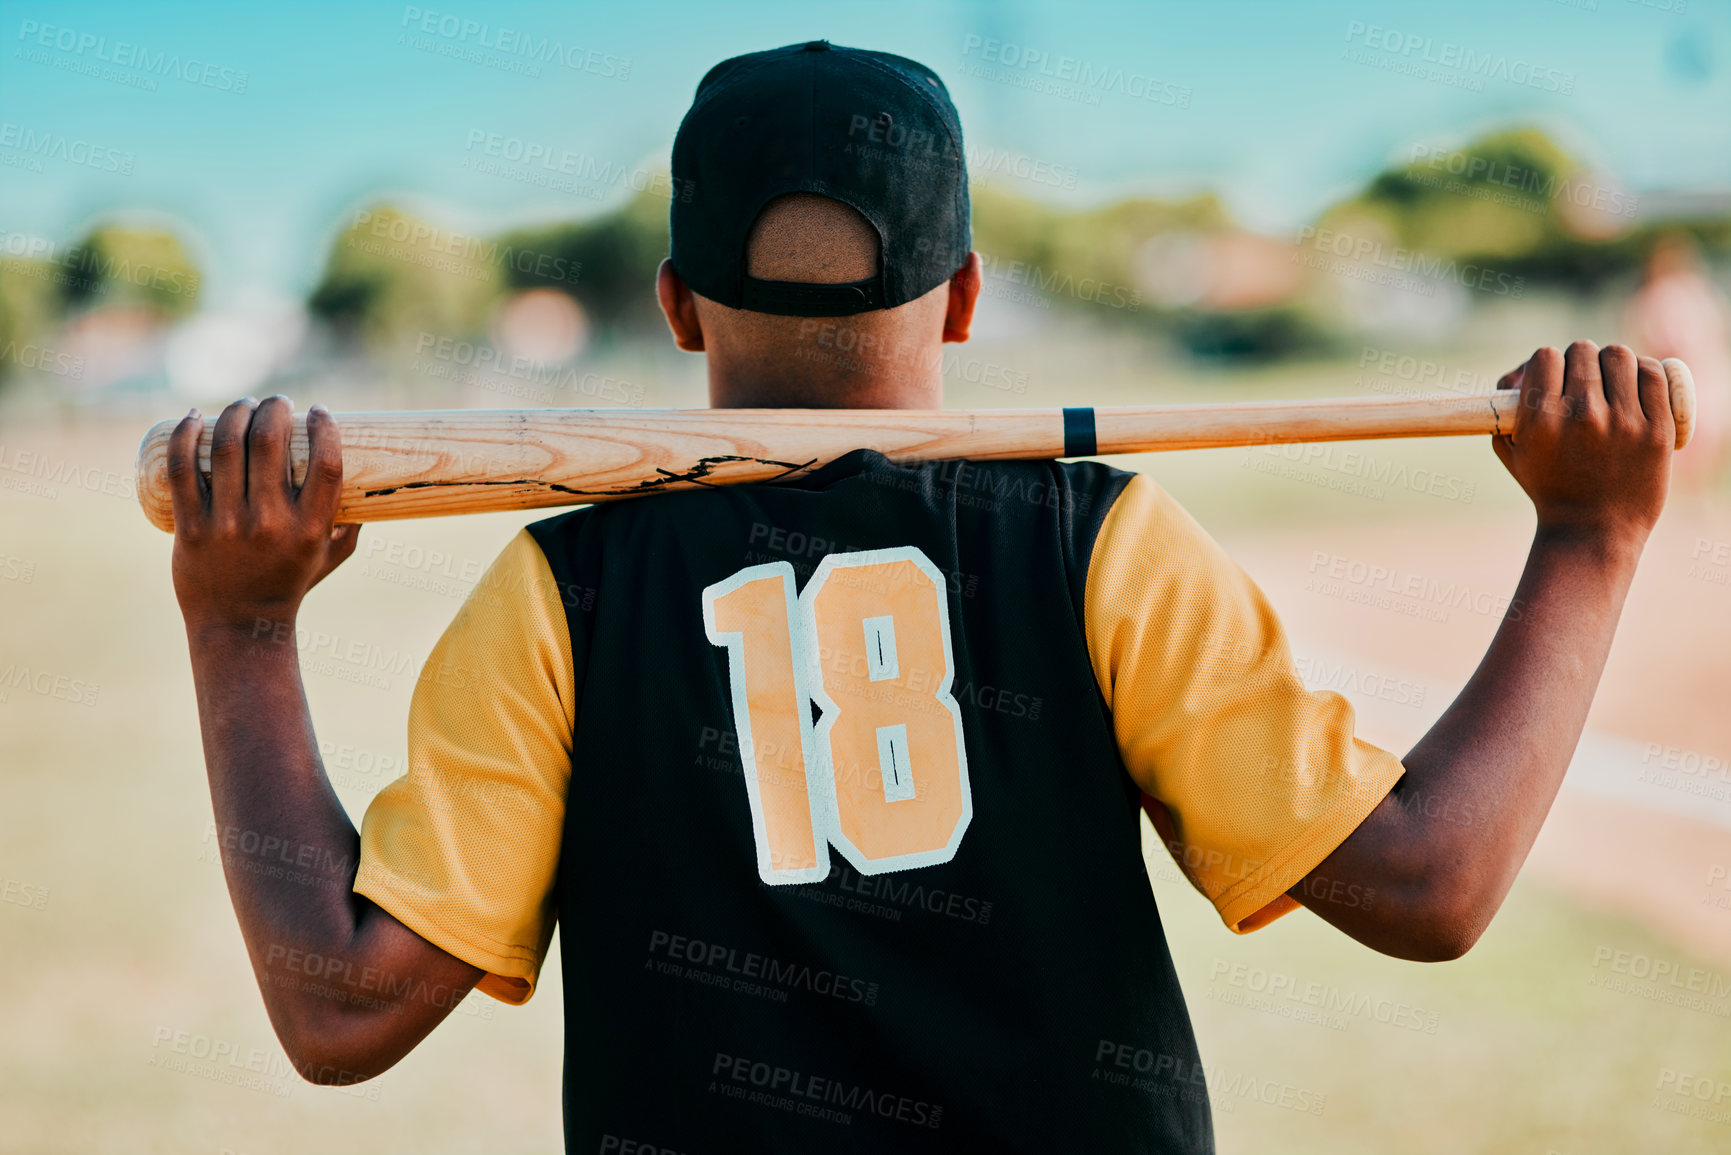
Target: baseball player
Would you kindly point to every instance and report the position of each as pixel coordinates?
(834, 787)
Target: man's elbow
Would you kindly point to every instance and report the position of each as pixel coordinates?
(1448, 922)
(326, 1055)
(1441, 944)
(332, 1074)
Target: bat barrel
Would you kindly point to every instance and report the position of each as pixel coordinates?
(437, 463)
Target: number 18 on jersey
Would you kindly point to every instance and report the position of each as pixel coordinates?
(883, 774)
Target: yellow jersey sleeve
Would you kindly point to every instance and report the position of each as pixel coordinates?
(464, 848)
(1258, 778)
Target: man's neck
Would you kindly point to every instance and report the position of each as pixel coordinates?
(827, 390)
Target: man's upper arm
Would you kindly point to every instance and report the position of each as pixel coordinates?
(1257, 779)
(464, 849)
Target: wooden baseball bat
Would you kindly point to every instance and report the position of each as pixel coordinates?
(434, 463)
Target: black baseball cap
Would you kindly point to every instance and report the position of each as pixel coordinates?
(872, 130)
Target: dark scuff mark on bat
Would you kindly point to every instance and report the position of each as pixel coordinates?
(693, 476)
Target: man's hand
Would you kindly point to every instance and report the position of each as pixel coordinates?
(249, 543)
(1592, 441)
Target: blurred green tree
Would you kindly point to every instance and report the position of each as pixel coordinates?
(1519, 201)
(30, 309)
(607, 263)
(391, 276)
(1056, 250)
(118, 265)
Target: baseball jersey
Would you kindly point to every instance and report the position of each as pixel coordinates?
(833, 789)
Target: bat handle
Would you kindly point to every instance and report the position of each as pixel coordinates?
(1682, 387)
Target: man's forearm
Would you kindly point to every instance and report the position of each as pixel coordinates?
(1445, 846)
(1501, 749)
(289, 849)
(345, 984)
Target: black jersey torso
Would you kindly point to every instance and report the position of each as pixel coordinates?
(1017, 997)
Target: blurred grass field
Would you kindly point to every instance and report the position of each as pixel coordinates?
(135, 953)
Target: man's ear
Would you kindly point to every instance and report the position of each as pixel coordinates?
(964, 294)
(679, 307)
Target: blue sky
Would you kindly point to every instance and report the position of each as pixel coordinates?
(1281, 107)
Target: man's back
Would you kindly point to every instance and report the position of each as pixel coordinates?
(962, 1004)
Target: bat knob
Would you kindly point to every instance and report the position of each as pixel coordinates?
(1682, 398)
(153, 492)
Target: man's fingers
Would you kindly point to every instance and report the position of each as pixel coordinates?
(1582, 383)
(228, 463)
(339, 548)
(322, 491)
(343, 539)
(186, 486)
(1511, 379)
(267, 478)
(1541, 388)
(1543, 372)
(1654, 391)
(1617, 375)
(1503, 446)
